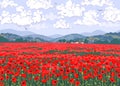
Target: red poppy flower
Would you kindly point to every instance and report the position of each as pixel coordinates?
(54, 82)
(65, 77)
(118, 75)
(2, 84)
(100, 77)
(71, 80)
(77, 83)
(23, 83)
(14, 80)
(23, 75)
(36, 78)
(44, 81)
(112, 80)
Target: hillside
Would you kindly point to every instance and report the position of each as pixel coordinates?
(37, 36)
(16, 38)
(21, 33)
(70, 38)
(110, 38)
(97, 32)
(2, 39)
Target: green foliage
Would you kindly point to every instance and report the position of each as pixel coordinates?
(115, 41)
(20, 40)
(62, 40)
(2, 39)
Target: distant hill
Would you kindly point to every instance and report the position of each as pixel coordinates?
(16, 38)
(2, 39)
(34, 36)
(70, 38)
(118, 31)
(55, 36)
(21, 33)
(108, 38)
(10, 36)
(97, 32)
(111, 38)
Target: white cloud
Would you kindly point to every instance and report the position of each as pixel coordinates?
(21, 20)
(6, 3)
(97, 2)
(0, 18)
(89, 18)
(38, 17)
(5, 17)
(22, 17)
(70, 9)
(61, 24)
(6, 20)
(37, 4)
(111, 14)
(4, 13)
(19, 8)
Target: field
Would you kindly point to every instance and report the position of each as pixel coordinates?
(59, 64)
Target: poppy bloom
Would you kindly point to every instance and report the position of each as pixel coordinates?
(54, 82)
(44, 81)
(23, 83)
(118, 75)
(85, 77)
(77, 83)
(14, 80)
(100, 77)
(36, 78)
(1, 78)
(71, 80)
(112, 80)
(23, 75)
(65, 77)
(7, 77)
(76, 75)
(2, 84)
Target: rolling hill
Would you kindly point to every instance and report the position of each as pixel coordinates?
(97, 32)
(70, 38)
(110, 38)
(21, 33)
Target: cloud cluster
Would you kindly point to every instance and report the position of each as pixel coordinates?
(20, 9)
(78, 13)
(6, 3)
(37, 4)
(23, 17)
(61, 24)
(97, 2)
(111, 14)
(89, 18)
(70, 9)
(5, 17)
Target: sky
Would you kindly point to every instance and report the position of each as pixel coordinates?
(48, 17)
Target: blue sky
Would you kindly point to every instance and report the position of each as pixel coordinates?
(48, 17)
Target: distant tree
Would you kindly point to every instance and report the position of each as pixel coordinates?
(86, 41)
(62, 40)
(20, 40)
(101, 42)
(115, 41)
(2, 39)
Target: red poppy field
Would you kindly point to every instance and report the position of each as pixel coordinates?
(59, 64)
